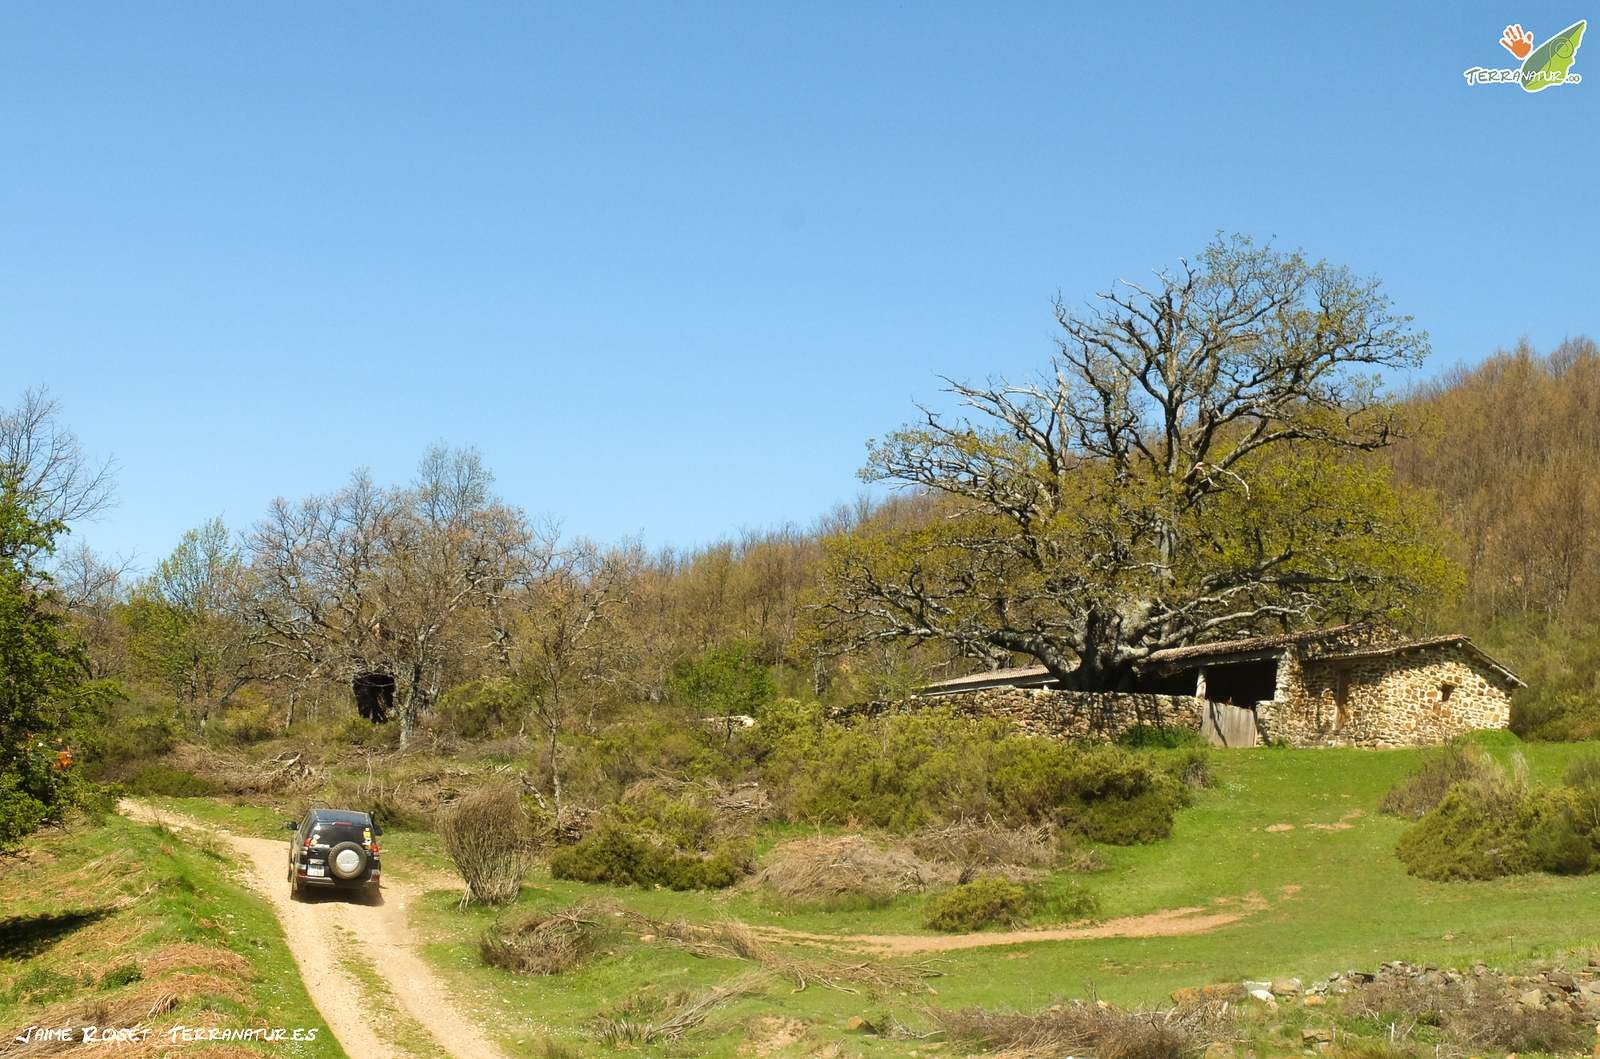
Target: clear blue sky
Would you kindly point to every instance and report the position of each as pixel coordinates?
(670, 267)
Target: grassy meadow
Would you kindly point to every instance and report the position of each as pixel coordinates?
(1291, 841)
(113, 923)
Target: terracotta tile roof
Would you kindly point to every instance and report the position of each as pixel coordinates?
(1021, 674)
(1456, 640)
(1247, 645)
(1277, 643)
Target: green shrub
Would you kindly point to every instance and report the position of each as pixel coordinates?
(986, 902)
(170, 782)
(680, 821)
(617, 855)
(99, 800)
(1475, 822)
(1584, 773)
(1475, 832)
(1190, 766)
(140, 739)
(1460, 762)
(1562, 849)
(1063, 902)
(1569, 841)
(42, 985)
(608, 854)
(1160, 737)
(599, 768)
(357, 731)
(994, 901)
(718, 871)
(249, 717)
(480, 709)
(1144, 817)
(1562, 667)
(120, 975)
(722, 681)
(899, 772)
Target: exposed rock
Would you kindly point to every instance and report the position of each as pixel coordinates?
(1288, 987)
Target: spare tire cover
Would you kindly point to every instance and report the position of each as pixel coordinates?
(347, 860)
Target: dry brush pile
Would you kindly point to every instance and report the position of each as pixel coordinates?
(491, 842)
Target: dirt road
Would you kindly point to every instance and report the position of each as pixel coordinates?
(382, 933)
(1169, 923)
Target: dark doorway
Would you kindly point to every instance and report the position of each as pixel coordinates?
(1176, 682)
(374, 695)
(1242, 683)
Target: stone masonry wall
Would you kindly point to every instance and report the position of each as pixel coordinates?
(1392, 700)
(1061, 714)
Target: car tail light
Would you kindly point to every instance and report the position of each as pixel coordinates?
(374, 845)
(308, 842)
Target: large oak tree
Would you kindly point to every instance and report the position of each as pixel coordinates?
(1189, 469)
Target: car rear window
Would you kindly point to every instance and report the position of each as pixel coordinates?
(332, 816)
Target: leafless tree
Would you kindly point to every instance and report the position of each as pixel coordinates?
(556, 636)
(369, 579)
(90, 586)
(43, 466)
(450, 544)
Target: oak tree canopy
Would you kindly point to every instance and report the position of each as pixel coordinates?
(1189, 468)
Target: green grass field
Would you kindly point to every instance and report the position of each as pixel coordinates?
(1290, 840)
(104, 923)
(1314, 899)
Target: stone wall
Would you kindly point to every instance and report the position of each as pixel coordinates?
(1389, 700)
(1061, 714)
(1405, 699)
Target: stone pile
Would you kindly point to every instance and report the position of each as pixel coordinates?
(1578, 990)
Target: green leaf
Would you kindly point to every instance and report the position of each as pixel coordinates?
(1550, 61)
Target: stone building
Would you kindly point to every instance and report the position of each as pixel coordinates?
(1354, 685)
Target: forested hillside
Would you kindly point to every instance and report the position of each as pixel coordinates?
(1510, 448)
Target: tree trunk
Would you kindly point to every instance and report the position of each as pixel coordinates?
(412, 704)
(553, 731)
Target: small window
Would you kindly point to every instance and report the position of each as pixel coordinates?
(1445, 691)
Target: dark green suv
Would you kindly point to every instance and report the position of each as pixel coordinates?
(334, 848)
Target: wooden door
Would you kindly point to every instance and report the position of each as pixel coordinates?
(1230, 725)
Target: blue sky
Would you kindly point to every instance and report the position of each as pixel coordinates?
(670, 267)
